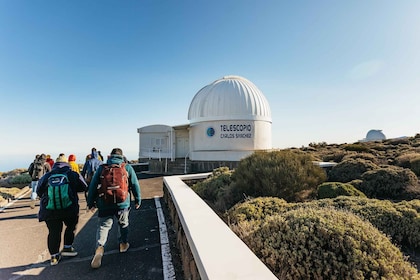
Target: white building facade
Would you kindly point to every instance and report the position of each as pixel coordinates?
(229, 119)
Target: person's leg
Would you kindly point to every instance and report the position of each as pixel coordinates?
(55, 228)
(34, 185)
(71, 223)
(123, 222)
(123, 225)
(104, 226)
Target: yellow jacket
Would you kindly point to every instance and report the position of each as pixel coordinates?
(74, 166)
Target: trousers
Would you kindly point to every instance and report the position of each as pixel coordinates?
(55, 228)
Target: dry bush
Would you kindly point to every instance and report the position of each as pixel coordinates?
(324, 244)
(391, 182)
(350, 169)
(365, 156)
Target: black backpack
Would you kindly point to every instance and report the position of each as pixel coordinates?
(38, 169)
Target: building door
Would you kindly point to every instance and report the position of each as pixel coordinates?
(182, 147)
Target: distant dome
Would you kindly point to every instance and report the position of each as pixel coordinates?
(231, 97)
(375, 135)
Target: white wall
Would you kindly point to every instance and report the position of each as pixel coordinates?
(232, 139)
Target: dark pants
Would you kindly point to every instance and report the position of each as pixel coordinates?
(55, 227)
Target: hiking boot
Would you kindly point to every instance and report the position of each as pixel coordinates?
(97, 258)
(69, 252)
(124, 247)
(55, 259)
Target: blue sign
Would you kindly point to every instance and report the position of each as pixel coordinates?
(210, 131)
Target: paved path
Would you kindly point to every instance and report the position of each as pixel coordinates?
(24, 254)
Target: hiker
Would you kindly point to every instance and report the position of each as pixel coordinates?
(113, 201)
(90, 166)
(60, 204)
(73, 165)
(101, 158)
(50, 161)
(36, 170)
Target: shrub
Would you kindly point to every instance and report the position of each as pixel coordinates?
(21, 179)
(213, 188)
(8, 193)
(415, 166)
(359, 147)
(324, 244)
(390, 182)
(334, 189)
(257, 209)
(364, 156)
(400, 221)
(350, 169)
(406, 159)
(281, 174)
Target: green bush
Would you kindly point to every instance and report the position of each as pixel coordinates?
(283, 174)
(334, 189)
(350, 169)
(214, 188)
(400, 221)
(21, 179)
(391, 182)
(324, 244)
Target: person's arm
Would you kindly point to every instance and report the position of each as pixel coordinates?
(42, 186)
(47, 167)
(31, 169)
(134, 185)
(81, 185)
(93, 191)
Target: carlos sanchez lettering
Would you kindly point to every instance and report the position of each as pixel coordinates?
(232, 131)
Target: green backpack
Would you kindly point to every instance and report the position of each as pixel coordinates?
(59, 192)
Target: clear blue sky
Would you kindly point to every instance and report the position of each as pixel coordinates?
(81, 74)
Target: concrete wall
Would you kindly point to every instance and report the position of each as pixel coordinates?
(209, 249)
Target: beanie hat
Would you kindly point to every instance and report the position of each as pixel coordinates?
(61, 159)
(72, 157)
(116, 151)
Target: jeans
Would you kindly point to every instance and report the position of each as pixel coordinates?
(34, 186)
(55, 227)
(105, 224)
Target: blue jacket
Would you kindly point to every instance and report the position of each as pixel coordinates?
(111, 209)
(76, 183)
(91, 165)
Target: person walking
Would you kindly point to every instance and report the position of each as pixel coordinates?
(73, 165)
(90, 166)
(36, 170)
(60, 205)
(50, 161)
(111, 204)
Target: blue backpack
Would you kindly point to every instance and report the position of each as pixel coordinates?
(59, 192)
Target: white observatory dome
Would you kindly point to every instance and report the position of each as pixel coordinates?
(375, 135)
(231, 97)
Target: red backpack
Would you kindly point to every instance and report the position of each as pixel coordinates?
(114, 183)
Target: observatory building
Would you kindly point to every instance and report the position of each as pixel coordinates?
(229, 119)
(374, 135)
